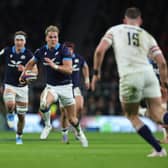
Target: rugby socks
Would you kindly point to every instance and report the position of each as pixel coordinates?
(147, 135)
(165, 118)
(65, 131)
(46, 117)
(76, 126)
(19, 134)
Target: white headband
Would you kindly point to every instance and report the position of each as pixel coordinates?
(20, 37)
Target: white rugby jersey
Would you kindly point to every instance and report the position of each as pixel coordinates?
(132, 46)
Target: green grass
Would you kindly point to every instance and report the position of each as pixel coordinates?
(106, 150)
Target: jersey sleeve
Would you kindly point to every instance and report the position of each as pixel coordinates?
(66, 54)
(154, 49)
(36, 56)
(83, 61)
(3, 51)
(108, 36)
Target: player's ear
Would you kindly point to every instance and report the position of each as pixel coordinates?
(140, 21)
(124, 20)
(46, 38)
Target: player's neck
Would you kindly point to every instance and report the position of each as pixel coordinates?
(18, 50)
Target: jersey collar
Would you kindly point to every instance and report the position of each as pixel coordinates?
(14, 49)
(56, 46)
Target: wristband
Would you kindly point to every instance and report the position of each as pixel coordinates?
(87, 80)
(56, 67)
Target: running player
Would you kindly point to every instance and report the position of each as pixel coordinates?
(15, 94)
(79, 64)
(132, 45)
(57, 62)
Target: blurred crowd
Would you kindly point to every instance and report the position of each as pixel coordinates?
(93, 20)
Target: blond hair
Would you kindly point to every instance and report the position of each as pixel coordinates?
(51, 28)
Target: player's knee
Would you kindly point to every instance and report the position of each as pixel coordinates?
(79, 108)
(10, 106)
(44, 107)
(73, 120)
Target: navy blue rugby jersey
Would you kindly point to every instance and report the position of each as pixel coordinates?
(78, 64)
(12, 60)
(57, 55)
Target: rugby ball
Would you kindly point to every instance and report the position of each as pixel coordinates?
(29, 76)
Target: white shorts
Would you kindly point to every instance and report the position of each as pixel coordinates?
(64, 93)
(20, 94)
(134, 87)
(77, 91)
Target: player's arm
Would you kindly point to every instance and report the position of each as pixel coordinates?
(162, 65)
(85, 71)
(99, 53)
(156, 54)
(66, 67)
(30, 66)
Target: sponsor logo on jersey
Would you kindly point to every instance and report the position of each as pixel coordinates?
(22, 57)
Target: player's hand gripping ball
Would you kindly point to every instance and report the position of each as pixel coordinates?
(29, 77)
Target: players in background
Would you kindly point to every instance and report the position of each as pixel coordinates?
(131, 46)
(144, 110)
(79, 64)
(15, 94)
(57, 62)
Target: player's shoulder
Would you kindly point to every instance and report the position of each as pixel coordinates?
(64, 50)
(5, 50)
(28, 52)
(40, 49)
(119, 26)
(79, 56)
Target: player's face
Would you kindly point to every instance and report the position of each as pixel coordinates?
(70, 49)
(19, 43)
(52, 39)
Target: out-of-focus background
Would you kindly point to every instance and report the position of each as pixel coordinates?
(82, 22)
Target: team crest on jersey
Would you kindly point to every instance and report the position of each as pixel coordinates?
(11, 55)
(22, 57)
(45, 53)
(76, 60)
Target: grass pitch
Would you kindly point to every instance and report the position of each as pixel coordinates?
(106, 150)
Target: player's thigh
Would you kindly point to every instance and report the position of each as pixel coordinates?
(130, 109)
(47, 97)
(65, 94)
(152, 86)
(22, 100)
(9, 95)
(131, 87)
(22, 94)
